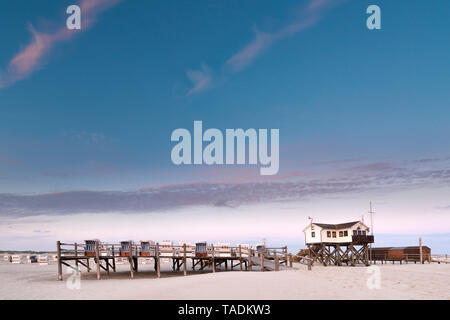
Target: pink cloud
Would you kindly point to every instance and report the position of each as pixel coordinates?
(262, 41)
(31, 57)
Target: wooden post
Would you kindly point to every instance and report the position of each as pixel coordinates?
(240, 258)
(158, 266)
(97, 257)
(58, 251)
(184, 259)
(277, 262)
(114, 259)
(130, 259)
(250, 256)
(285, 256)
(309, 264)
(76, 255)
(136, 264)
(213, 259)
(420, 247)
(262, 257)
(290, 260)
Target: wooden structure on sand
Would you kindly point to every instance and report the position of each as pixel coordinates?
(401, 254)
(338, 244)
(202, 256)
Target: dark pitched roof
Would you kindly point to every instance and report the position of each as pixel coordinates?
(336, 226)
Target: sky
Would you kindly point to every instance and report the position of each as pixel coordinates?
(86, 118)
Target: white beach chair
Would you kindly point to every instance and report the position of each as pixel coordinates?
(16, 259)
(166, 249)
(43, 259)
(222, 249)
(190, 249)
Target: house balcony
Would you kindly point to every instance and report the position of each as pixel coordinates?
(362, 239)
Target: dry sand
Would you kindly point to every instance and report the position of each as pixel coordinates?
(428, 281)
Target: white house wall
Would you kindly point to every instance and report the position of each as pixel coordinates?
(321, 234)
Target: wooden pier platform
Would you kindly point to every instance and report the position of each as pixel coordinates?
(105, 256)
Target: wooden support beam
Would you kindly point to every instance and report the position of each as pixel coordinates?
(277, 262)
(97, 257)
(262, 258)
(107, 266)
(158, 266)
(58, 251)
(184, 259)
(113, 259)
(420, 247)
(213, 259)
(130, 260)
(81, 262)
(76, 254)
(240, 258)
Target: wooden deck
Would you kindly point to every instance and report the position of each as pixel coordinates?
(105, 256)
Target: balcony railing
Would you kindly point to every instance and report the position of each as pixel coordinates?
(362, 239)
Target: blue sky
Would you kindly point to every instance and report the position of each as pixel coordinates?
(95, 111)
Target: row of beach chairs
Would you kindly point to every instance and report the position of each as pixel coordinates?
(42, 259)
(166, 249)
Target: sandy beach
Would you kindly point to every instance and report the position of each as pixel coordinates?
(412, 281)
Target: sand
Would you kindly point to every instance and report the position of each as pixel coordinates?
(412, 281)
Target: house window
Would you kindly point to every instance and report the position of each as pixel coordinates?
(328, 234)
(334, 234)
(364, 232)
(345, 233)
(341, 233)
(355, 232)
(313, 234)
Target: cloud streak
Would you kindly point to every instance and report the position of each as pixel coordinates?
(262, 41)
(32, 57)
(371, 177)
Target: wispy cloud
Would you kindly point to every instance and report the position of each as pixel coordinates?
(262, 41)
(32, 56)
(376, 177)
(201, 79)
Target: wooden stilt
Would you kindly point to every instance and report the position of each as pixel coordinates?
(277, 262)
(262, 258)
(58, 251)
(240, 258)
(158, 266)
(184, 259)
(76, 255)
(97, 258)
(213, 260)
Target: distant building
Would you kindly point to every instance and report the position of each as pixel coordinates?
(341, 233)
